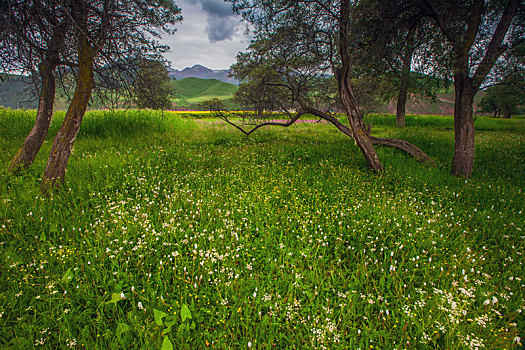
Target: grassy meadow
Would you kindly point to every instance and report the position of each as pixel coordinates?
(181, 233)
(194, 91)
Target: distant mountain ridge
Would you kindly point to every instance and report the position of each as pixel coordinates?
(198, 71)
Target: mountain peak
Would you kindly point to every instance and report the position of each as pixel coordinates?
(199, 71)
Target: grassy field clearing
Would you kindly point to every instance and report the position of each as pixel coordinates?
(185, 233)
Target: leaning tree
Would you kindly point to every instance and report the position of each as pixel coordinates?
(303, 59)
(479, 32)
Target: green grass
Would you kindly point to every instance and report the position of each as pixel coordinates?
(195, 90)
(280, 240)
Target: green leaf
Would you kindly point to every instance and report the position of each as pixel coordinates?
(42, 237)
(122, 328)
(185, 312)
(120, 285)
(115, 297)
(68, 276)
(168, 323)
(159, 315)
(166, 344)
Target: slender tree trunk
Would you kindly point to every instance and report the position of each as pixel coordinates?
(401, 104)
(63, 144)
(506, 112)
(27, 153)
(403, 88)
(463, 160)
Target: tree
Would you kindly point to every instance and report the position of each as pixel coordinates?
(298, 46)
(508, 89)
(152, 86)
(107, 35)
(102, 28)
(413, 60)
(33, 41)
(505, 97)
(479, 32)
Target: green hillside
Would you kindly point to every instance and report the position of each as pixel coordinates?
(195, 90)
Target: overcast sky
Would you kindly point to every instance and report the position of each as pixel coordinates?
(210, 35)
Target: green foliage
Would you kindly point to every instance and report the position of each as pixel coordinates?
(372, 93)
(505, 98)
(280, 240)
(152, 87)
(426, 85)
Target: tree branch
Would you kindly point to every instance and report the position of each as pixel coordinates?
(495, 49)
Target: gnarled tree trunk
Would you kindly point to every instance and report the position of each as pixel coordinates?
(63, 144)
(355, 117)
(402, 145)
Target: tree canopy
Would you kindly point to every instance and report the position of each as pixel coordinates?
(298, 44)
(309, 57)
(152, 85)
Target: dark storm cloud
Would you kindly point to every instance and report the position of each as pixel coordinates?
(221, 22)
(217, 7)
(195, 43)
(221, 28)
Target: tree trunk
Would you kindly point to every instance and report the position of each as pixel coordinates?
(355, 120)
(355, 117)
(402, 145)
(401, 103)
(506, 112)
(463, 160)
(27, 153)
(403, 89)
(63, 144)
